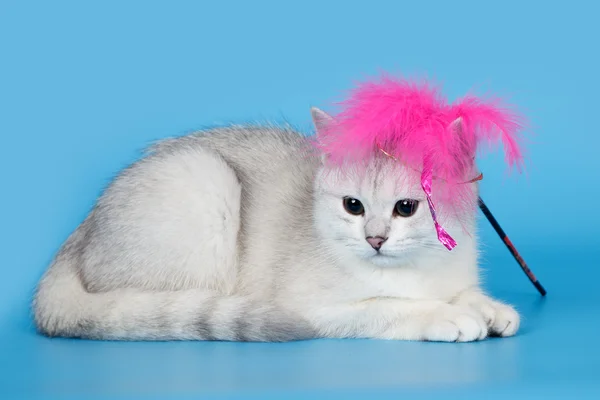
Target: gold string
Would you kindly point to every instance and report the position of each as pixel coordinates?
(477, 178)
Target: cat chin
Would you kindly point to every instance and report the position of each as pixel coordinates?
(386, 261)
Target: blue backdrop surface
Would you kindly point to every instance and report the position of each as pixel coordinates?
(84, 86)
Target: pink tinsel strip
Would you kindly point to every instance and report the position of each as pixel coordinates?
(443, 236)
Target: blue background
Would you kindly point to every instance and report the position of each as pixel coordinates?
(84, 86)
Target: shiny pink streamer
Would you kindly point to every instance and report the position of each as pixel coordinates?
(443, 236)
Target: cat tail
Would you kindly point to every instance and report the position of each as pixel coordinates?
(62, 307)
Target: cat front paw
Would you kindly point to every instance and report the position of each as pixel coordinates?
(502, 320)
(454, 323)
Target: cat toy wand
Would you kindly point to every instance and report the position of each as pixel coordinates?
(412, 119)
(492, 220)
(511, 247)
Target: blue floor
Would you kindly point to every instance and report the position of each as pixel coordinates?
(555, 355)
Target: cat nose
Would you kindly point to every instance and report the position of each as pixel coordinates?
(376, 242)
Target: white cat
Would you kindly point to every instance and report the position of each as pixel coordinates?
(243, 234)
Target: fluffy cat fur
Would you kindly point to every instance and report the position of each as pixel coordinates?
(240, 234)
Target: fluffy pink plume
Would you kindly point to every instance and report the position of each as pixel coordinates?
(413, 122)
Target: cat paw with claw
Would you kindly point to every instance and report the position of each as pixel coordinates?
(502, 320)
(453, 323)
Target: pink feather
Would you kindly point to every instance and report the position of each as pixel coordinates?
(413, 122)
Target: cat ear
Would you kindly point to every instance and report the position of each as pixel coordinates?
(467, 146)
(456, 126)
(321, 120)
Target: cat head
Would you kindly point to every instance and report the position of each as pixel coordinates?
(375, 210)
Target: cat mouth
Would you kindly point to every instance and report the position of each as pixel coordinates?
(384, 260)
(379, 254)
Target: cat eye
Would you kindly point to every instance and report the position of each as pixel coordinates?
(353, 206)
(406, 208)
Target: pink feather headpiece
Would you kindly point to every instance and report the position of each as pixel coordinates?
(413, 123)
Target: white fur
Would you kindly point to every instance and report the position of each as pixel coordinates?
(241, 234)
